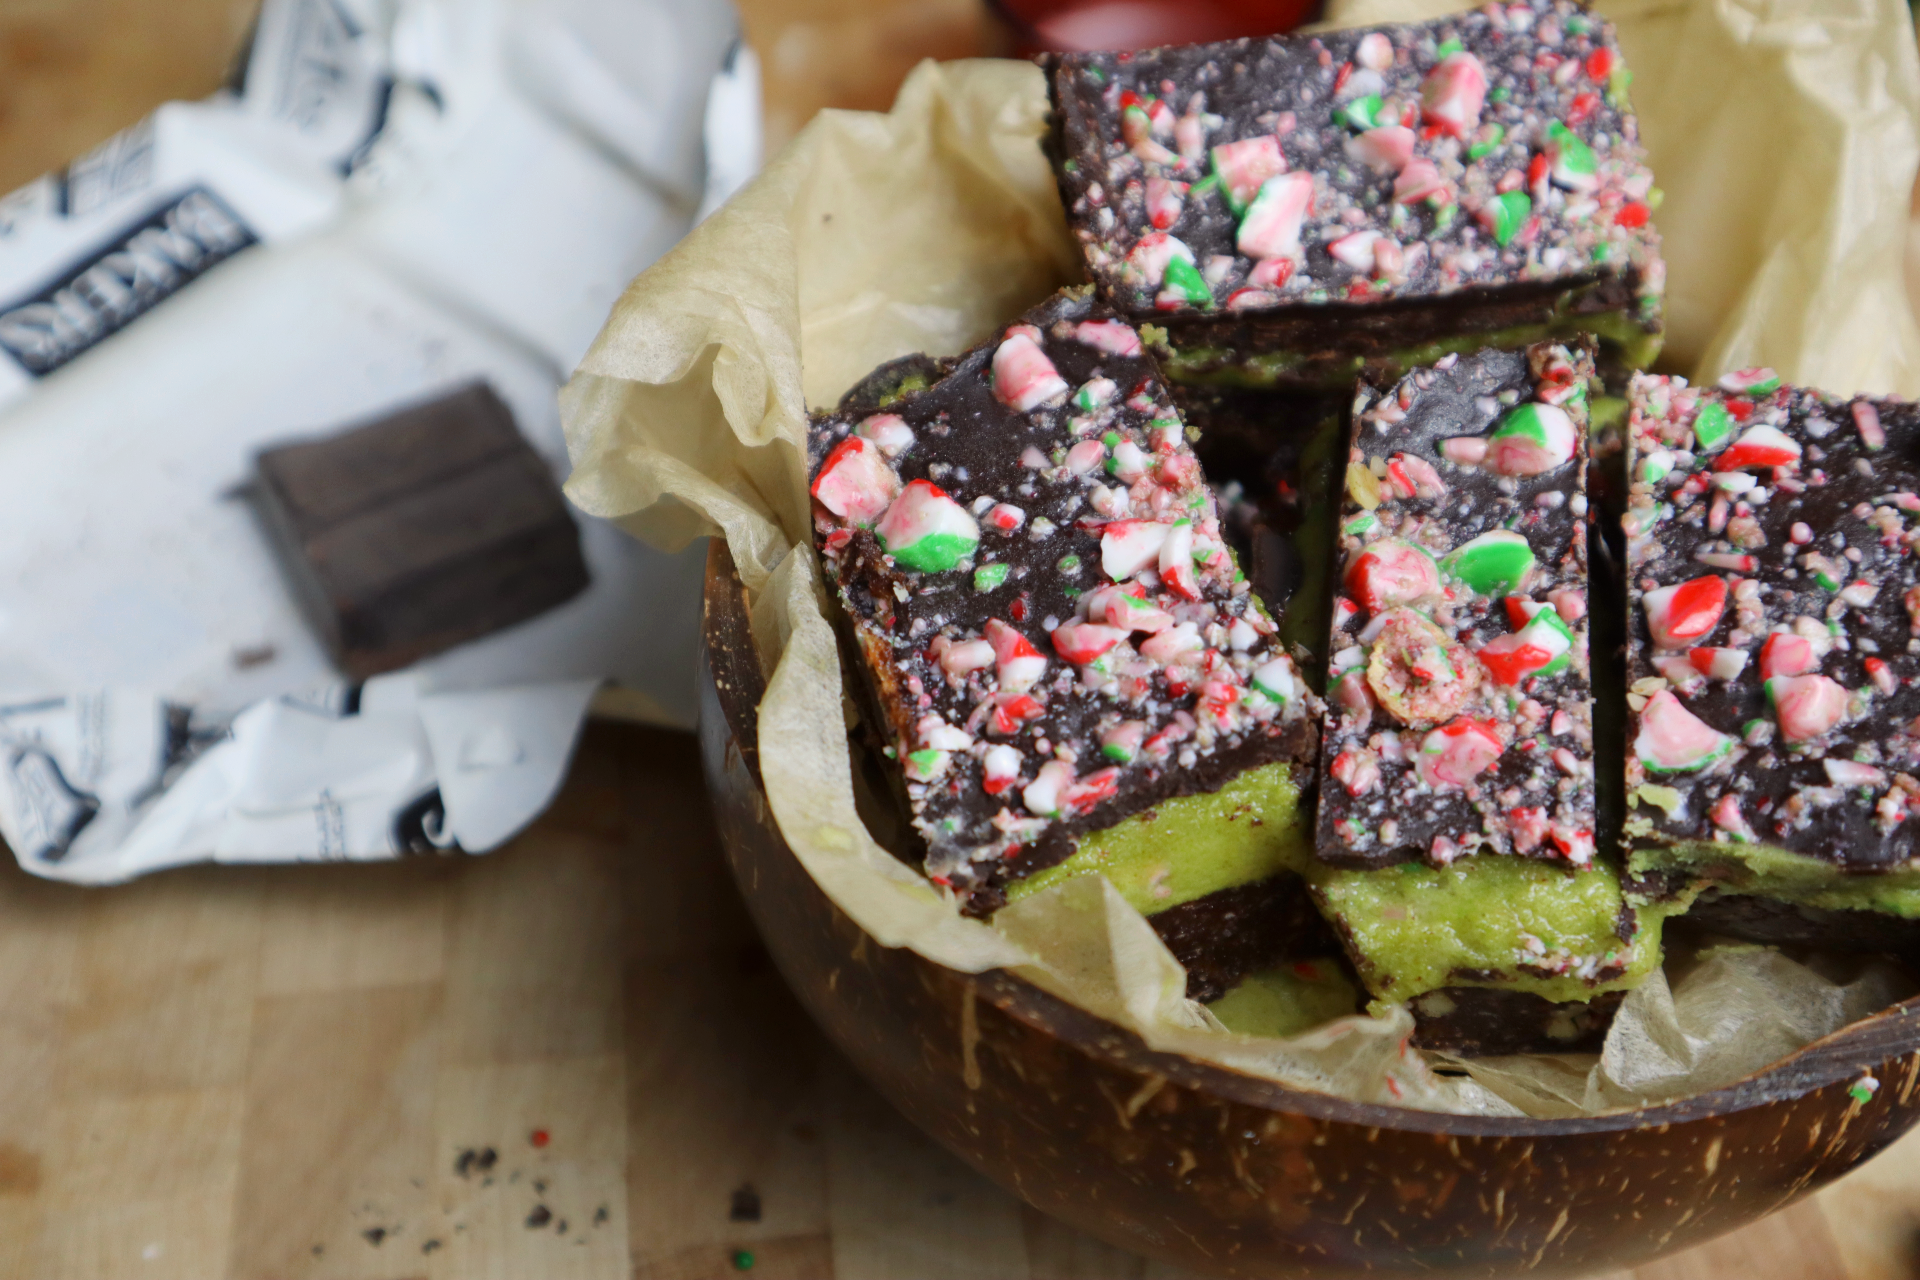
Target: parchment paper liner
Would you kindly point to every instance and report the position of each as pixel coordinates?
(1784, 136)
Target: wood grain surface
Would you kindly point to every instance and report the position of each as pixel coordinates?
(566, 1059)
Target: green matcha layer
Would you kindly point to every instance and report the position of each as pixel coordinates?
(1626, 344)
(1184, 849)
(1288, 1000)
(1768, 871)
(1216, 877)
(1514, 924)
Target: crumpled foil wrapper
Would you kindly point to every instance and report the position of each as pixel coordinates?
(1784, 135)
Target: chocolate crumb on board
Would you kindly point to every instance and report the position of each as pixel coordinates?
(475, 1160)
(1291, 210)
(540, 1217)
(1052, 633)
(744, 1204)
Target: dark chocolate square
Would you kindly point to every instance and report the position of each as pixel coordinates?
(419, 531)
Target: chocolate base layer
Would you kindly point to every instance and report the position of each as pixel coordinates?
(1479, 1022)
(1328, 345)
(1787, 924)
(1225, 936)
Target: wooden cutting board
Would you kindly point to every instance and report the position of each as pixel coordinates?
(570, 1058)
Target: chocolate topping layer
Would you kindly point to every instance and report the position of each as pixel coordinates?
(1460, 711)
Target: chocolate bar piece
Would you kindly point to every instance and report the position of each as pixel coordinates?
(1774, 610)
(425, 529)
(1460, 716)
(1052, 636)
(1293, 210)
(1289, 999)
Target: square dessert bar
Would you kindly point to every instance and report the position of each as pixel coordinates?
(1774, 608)
(1289, 211)
(1460, 717)
(1457, 800)
(1057, 649)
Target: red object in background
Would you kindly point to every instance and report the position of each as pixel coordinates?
(1077, 25)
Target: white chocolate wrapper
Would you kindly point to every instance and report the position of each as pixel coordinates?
(404, 198)
(873, 236)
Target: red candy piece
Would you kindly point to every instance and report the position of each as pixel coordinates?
(1458, 752)
(1633, 214)
(1084, 794)
(1807, 706)
(1582, 106)
(1529, 828)
(1084, 642)
(1010, 711)
(1600, 64)
(1391, 573)
(1759, 447)
(855, 482)
(1689, 611)
(1785, 654)
(1509, 660)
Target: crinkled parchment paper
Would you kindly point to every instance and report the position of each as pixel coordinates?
(1784, 135)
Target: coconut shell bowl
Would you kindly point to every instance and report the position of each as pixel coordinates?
(1220, 1172)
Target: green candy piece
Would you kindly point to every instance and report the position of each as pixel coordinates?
(1713, 427)
(1361, 114)
(989, 576)
(1488, 137)
(1574, 159)
(1361, 524)
(1448, 47)
(1185, 279)
(1510, 212)
(936, 553)
(1617, 85)
(1548, 618)
(1495, 563)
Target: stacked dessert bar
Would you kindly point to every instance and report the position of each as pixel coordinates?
(1060, 655)
(1774, 609)
(1294, 211)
